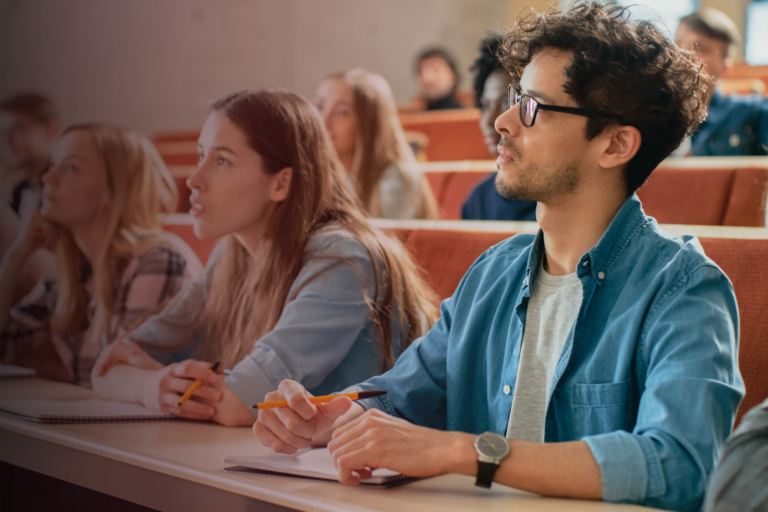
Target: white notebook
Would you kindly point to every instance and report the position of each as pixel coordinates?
(314, 463)
(81, 411)
(10, 371)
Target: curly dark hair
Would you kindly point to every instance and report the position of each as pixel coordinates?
(621, 66)
(487, 63)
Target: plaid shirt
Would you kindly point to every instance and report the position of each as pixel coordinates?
(147, 282)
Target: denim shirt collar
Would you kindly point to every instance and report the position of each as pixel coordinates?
(599, 260)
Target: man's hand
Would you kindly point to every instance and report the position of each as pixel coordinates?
(291, 428)
(376, 440)
(163, 389)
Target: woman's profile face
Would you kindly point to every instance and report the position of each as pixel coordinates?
(230, 188)
(333, 98)
(75, 190)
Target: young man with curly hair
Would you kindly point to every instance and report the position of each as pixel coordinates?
(596, 359)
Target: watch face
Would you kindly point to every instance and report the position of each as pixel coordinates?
(492, 445)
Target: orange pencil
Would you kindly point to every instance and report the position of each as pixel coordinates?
(198, 383)
(322, 399)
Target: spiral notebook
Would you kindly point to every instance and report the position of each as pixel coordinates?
(312, 463)
(81, 411)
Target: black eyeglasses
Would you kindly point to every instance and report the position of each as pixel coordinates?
(530, 106)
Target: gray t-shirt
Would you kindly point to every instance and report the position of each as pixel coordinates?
(552, 309)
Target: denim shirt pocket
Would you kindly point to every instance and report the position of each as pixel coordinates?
(602, 408)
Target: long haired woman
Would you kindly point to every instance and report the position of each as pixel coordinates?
(102, 200)
(301, 287)
(361, 117)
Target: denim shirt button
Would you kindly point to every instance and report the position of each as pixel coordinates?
(525, 282)
(601, 275)
(507, 390)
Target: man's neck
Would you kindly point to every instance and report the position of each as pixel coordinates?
(574, 224)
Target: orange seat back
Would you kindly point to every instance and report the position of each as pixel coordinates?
(452, 134)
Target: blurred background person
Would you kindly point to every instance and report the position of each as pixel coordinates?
(438, 76)
(491, 86)
(736, 125)
(29, 123)
(28, 127)
(361, 117)
(102, 197)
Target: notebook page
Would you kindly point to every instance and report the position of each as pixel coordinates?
(315, 463)
(84, 409)
(10, 371)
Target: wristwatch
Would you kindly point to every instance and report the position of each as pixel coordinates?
(491, 449)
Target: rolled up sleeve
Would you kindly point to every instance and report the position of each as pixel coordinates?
(692, 391)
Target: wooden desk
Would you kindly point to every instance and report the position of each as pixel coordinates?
(177, 466)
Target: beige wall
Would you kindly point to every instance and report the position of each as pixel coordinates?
(155, 64)
(735, 9)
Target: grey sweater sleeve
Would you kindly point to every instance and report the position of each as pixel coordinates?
(740, 481)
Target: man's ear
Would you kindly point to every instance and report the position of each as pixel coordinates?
(623, 145)
(281, 185)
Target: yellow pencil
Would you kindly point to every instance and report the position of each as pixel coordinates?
(199, 382)
(322, 399)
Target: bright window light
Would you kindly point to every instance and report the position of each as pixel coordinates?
(664, 13)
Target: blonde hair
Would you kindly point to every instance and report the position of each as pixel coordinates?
(141, 188)
(381, 142)
(248, 293)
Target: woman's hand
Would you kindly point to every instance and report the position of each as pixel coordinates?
(37, 233)
(121, 352)
(163, 388)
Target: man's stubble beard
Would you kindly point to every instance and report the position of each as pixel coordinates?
(536, 182)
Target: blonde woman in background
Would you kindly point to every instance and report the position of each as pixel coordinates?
(302, 287)
(361, 117)
(102, 198)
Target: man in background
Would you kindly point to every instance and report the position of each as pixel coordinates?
(736, 125)
(28, 127)
(438, 77)
(491, 87)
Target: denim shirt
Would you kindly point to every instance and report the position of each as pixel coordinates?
(737, 125)
(648, 376)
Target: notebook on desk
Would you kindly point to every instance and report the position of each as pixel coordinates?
(314, 463)
(81, 411)
(8, 371)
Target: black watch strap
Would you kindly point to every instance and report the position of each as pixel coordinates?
(485, 472)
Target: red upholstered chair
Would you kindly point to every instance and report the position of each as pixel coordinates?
(451, 190)
(445, 256)
(452, 134)
(724, 196)
(745, 262)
